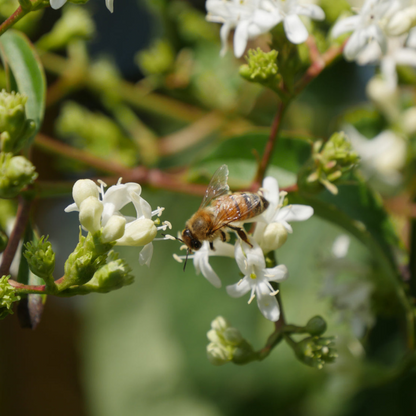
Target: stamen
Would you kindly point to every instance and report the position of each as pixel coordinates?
(158, 211)
(177, 258)
(274, 293)
(239, 282)
(251, 297)
(168, 224)
(169, 237)
(119, 181)
(102, 183)
(183, 247)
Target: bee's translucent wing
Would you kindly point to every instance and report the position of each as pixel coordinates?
(217, 187)
(235, 207)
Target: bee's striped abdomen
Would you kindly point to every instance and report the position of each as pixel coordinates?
(249, 204)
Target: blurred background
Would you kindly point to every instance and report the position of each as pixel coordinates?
(142, 350)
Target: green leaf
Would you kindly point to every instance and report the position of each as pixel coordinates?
(241, 154)
(20, 55)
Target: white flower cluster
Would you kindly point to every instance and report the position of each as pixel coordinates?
(57, 4)
(271, 232)
(381, 35)
(100, 210)
(251, 18)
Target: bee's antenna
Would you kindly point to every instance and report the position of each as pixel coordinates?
(186, 259)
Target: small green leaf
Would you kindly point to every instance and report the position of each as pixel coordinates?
(24, 63)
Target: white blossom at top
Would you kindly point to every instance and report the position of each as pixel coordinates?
(201, 259)
(100, 209)
(273, 226)
(251, 18)
(257, 279)
(248, 19)
(57, 4)
(288, 12)
(366, 27)
(383, 156)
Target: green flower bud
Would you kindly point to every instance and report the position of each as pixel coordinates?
(232, 336)
(75, 23)
(41, 259)
(275, 235)
(106, 79)
(7, 297)
(138, 233)
(330, 162)
(89, 255)
(220, 324)
(217, 354)
(316, 351)
(113, 275)
(158, 59)
(90, 212)
(15, 128)
(16, 172)
(316, 326)
(261, 67)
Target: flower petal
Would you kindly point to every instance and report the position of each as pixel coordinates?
(239, 289)
(56, 4)
(355, 45)
(146, 254)
(295, 30)
(208, 273)
(240, 38)
(311, 10)
(110, 5)
(267, 304)
(294, 213)
(224, 32)
(345, 25)
(277, 274)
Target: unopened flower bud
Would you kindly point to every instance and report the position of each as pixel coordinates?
(220, 324)
(15, 129)
(113, 275)
(217, 354)
(409, 121)
(315, 351)
(384, 97)
(402, 21)
(158, 59)
(316, 326)
(16, 173)
(82, 189)
(114, 229)
(7, 297)
(233, 336)
(261, 67)
(41, 258)
(138, 233)
(275, 235)
(90, 212)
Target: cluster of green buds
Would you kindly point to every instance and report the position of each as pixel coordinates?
(7, 297)
(314, 350)
(158, 59)
(41, 260)
(331, 160)
(261, 68)
(227, 344)
(16, 172)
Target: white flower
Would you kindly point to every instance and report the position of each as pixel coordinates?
(201, 259)
(245, 16)
(257, 279)
(101, 209)
(288, 12)
(57, 4)
(273, 226)
(383, 156)
(366, 27)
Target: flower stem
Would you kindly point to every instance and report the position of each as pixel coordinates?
(22, 217)
(270, 146)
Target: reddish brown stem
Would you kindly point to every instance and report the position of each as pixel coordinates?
(270, 145)
(28, 288)
(22, 218)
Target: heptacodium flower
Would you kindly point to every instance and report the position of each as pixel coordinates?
(100, 210)
(248, 19)
(288, 12)
(271, 233)
(257, 279)
(57, 4)
(366, 27)
(201, 259)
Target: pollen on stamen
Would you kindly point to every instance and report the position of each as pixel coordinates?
(183, 247)
(102, 183)
(251, 298)
(239, 282)
(177, 258)
(168, 224)
(274, 293)
(119, 181)
(169, 237)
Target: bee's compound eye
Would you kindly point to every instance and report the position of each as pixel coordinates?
(196, 244)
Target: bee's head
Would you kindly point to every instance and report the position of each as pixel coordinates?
(189, 239)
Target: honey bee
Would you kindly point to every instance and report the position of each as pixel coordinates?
(219, 210)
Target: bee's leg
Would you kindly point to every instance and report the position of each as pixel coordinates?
(211, 246)
(241, 233)
(223, 236)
